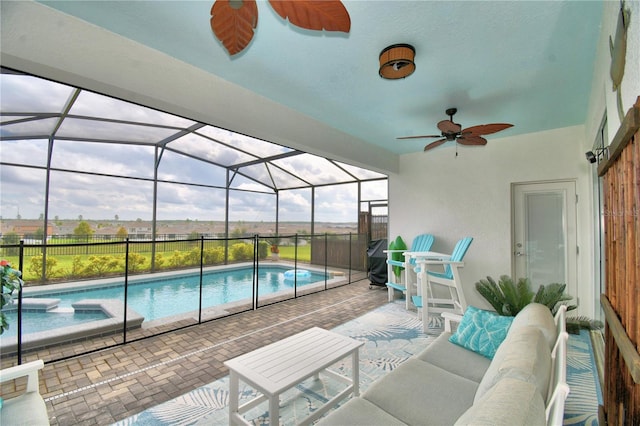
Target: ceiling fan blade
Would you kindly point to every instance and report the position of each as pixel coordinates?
(471, 140)
(419, 137)
(435, 144)
(485, 129)
(447, 126)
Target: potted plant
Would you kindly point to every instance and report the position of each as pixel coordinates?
(11, 282)
(508, 298)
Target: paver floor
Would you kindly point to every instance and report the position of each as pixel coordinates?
(109, 385)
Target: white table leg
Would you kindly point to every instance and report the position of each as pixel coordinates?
(274, 410)
(407, 287)
(424, 289)
(355, 368)
(234, 394)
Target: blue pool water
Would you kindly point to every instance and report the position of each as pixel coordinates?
(180, 294)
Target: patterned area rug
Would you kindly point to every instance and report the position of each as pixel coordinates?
(581, 407)
(391, 335)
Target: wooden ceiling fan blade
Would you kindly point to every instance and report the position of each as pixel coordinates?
(471, 140)
(434, 144)
(419, 137)
(485, 129)
(448, 126)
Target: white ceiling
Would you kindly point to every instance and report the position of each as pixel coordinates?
(528, 63)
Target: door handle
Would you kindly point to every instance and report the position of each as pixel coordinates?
(520, 253)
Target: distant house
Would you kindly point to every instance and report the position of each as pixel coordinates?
(26, 229)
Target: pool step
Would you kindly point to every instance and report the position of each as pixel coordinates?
(33, 303)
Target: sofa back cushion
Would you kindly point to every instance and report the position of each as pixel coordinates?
(524, 356)
(536, 314)
(510, 402)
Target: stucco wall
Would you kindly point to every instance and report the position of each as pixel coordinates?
(470, 195)
(603, 98)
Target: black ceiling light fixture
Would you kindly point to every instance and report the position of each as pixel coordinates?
(396, 61)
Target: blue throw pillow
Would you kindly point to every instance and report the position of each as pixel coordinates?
(481, 331)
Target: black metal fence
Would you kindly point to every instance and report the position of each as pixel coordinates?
(208, 278)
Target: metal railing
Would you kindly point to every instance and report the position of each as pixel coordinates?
(119, 271)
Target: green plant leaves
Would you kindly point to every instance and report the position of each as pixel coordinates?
(509, 298)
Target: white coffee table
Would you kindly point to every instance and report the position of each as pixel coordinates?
(279, 366)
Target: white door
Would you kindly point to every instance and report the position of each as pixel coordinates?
(544, 234)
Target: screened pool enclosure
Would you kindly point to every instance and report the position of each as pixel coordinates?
(88, 180)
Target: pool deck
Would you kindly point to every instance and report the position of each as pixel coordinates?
(112, 384)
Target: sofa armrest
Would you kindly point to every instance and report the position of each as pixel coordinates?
(558, 387)
(450, 317)
(30, 370)
(560, 319)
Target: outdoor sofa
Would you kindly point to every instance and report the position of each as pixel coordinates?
(523, 384)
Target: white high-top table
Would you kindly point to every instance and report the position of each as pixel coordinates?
(280, 366)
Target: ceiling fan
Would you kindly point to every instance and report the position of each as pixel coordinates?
(453, 132)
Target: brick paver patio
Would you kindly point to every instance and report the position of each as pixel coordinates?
(112, 384)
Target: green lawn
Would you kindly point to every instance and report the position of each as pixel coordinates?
(64, 263)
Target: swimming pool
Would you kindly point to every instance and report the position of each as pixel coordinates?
(169, 296)
(37, 321)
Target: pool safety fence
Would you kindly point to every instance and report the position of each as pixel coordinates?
(215, 278)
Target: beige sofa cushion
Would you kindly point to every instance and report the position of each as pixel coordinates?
(536, 314)
(359, 412)
(510, 402)
(455, 359)
(419, 393)
(523, 356)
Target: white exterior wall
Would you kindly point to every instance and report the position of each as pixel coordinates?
(470, 195)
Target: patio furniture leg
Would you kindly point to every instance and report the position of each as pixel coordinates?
(355, 368)
(233, 397)
(274, 410)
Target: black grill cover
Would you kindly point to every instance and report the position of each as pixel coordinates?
(377, 262)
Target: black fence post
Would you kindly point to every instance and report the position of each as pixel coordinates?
(295, 267)
(350, 255)
(19, 331)
(326, 258)
(255, 272)
(201, 269)
(126, 289)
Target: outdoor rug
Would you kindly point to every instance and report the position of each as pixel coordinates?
(392, 335)
(581, 407)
